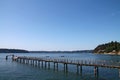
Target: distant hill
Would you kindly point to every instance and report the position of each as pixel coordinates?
(25, 51)
(78, 51)
(111, 48)
(13, 51)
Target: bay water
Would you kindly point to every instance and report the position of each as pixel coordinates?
(11, 70)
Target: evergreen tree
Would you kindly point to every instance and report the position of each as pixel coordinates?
(108, 47)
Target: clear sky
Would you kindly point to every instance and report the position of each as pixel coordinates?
(58, 24)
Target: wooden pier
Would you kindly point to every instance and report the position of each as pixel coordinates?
(10, 55)
(46, 63)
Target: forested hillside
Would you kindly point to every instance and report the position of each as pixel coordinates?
(111, 47)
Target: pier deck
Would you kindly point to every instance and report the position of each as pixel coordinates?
(65, 61)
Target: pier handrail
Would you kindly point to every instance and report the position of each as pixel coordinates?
(100, 63)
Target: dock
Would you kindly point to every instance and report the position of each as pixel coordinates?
(46, 63)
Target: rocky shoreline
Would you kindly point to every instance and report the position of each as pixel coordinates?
(110, 53)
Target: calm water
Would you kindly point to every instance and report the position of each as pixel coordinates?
(10, 70)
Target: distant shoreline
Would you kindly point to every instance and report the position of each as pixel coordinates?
(26, 51)
(80, 51)
(13, 51)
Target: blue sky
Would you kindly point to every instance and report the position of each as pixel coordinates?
(58, 24)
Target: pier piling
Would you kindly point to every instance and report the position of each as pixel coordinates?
(79, 63)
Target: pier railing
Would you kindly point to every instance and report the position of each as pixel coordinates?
(67, 60)
(99, 63)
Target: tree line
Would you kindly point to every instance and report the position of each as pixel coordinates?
(112, 46)
(13, 51)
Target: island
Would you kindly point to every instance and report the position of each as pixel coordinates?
(112, 47)
(13, 51)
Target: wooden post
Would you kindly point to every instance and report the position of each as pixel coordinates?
(66, 67)
(35, 62)
(96, 71)
(77, 69)
(38, 63)
(32, 62)
(119, 72)
(54, 65)
(57, 66)
(48, 65)
(20, 60)
(42, 64)
(27, 61)
(13, 57)
(6, 58)
(81, 69)
(17, 59)
(23, 60)
(45, 64)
